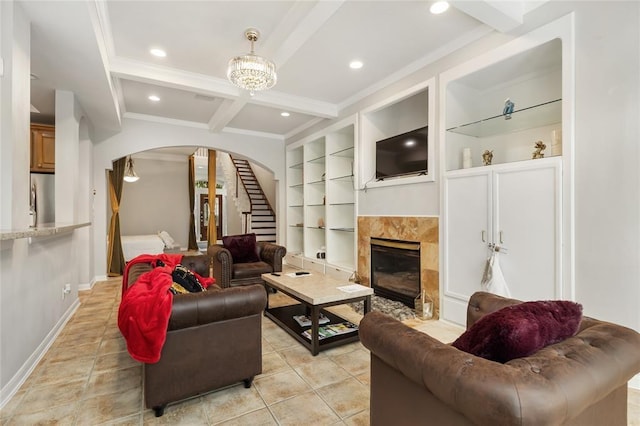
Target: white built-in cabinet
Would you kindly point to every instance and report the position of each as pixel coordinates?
(321, 201)
(514, 206)
(518, 202)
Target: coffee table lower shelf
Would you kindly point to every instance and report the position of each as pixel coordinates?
(283, 316)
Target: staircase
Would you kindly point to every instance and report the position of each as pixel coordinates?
(263, 218)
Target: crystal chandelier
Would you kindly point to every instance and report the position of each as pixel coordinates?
(252, 72)
(130, 174)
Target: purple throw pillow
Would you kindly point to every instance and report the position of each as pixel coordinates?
(243, 247)
(520, 330)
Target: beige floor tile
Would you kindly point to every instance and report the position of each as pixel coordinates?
(278, 338)
(355, 362)
(112, 345)
(360, 419)
(231, 402)
(274, 363)
(114, 381)
(61, 352)
(266, 347)
(102, 408)
(44, 397)
(322, 372)
(280, 386)
(346, 398)
(304, 409)
(63, 371)
(12, 404)
(261, 417)
(633, 410)
(190, 412)
(440, 330)
(365, 378)
(298, 356)
(115, 361)
(60, 415)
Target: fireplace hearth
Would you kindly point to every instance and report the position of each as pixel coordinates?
(395, 269)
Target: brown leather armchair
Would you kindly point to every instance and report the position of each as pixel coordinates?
(230, 274)
(197, 357)
(415, 379)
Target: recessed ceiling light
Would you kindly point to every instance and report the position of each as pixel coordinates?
(439, 7)
(154, 98)
(285, 114)
(158, 52)
(410, 142)
(355, 65)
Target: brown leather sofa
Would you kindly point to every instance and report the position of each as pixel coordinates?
(415, 379)
(214, 339)
(230, 274)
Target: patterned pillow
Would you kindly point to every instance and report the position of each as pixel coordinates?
(243, 247)
(520, 330)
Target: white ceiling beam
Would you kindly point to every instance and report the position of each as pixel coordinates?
(225, 113)
(297, 27)
(500, 15)
(145, 72)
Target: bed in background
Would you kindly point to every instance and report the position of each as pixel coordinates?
(135, 245)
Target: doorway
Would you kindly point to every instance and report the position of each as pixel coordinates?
(204, 215)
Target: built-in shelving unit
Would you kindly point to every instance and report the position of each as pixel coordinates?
(516, 202)
(475, 121)
(323, 221)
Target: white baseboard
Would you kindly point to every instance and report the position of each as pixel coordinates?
(13, 385)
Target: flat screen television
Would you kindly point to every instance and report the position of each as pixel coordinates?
(404, 154)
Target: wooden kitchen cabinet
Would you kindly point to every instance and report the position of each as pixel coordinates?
(43, 151)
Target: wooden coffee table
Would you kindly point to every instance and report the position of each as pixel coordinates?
(315, 292)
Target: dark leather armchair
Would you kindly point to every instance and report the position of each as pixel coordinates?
(416, 379)
(197, 357)
(230, 274)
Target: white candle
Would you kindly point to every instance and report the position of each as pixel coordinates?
(466, 158)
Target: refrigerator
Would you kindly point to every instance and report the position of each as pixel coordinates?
(42, 187)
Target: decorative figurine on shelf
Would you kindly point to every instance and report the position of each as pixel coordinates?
(487, 157)
(320, 223)
(508, 109)
(539, 147)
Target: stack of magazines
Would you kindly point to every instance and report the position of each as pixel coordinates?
(332, 330)
(305, 321)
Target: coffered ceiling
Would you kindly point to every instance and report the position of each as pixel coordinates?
(100, 50)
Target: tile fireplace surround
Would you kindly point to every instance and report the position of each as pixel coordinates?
(421, 229)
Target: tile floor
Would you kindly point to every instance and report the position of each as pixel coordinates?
(88, 378)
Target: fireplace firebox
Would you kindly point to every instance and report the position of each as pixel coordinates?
(395, 269)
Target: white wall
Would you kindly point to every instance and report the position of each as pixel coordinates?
(607, 159)
(158, 201)
(34, 271)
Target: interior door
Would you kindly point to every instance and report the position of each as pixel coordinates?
(204, 216)
(526, 222)
(467, 232)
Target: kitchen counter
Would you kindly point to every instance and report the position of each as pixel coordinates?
(44, 230)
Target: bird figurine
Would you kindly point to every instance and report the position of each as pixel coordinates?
(508, 109)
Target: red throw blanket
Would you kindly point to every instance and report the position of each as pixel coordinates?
(143, 315)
